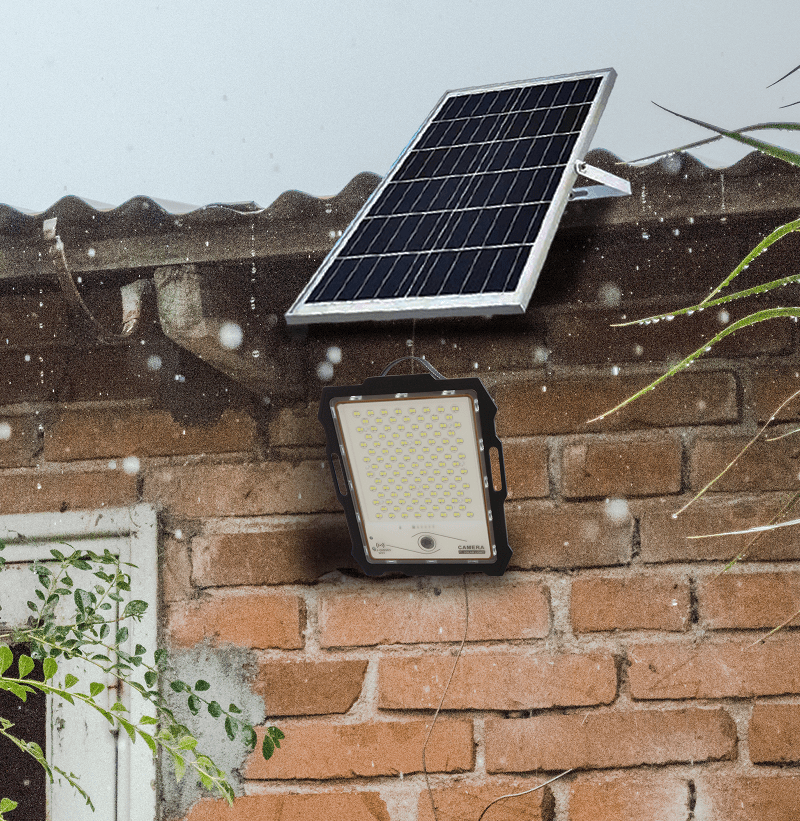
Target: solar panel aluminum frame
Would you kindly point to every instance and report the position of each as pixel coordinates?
(409, 386)
(451, 305)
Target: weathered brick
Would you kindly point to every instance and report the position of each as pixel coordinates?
(763, 466)
(176, 571)
(99, 434)
(748, 600)
(745, 798)
(608, 739)
(639, 603)
(323, 750)
(363, 805)
(536, 407)
(664, 538)
(41, 492)
(498, 680)
(294, 688)
(626, 468)
(242, 490)
(19, 440)
(433, 614)
(287, 550)
(573, 535)
(466, 802)
(629, 797)
(296, 427)
(774, 734)
(526, 468)
(715, 670)
(259, 620)
(771, 389)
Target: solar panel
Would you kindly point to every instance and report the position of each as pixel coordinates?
(462, 223)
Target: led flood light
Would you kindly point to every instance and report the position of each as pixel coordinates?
(410, 458)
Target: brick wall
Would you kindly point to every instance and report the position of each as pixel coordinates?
(613, 646)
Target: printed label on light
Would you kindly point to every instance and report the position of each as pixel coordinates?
(417, 473)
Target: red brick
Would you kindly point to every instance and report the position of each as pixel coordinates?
(748, 600)
(294, 688)
(497, 680)
(568, 404)
(110, 432)
(323, 750)
(664, 539)
(433, 614)
(774, 734)
(629, 797)
(763, 466)
(258, 620)
(527, 474)
(243, 490)
(743, 798)
(608, 739)
(626, 468)
(42, 492)
(331, 806)
(571, 535)
(286, 551)
(466, 802)
(19, 440)
(718, 670)
(638, 603)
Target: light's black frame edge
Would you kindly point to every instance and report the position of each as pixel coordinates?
(421, 383)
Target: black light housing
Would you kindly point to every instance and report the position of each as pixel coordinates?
(410, 460)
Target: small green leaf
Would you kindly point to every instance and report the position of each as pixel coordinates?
(70, 681)
(39, 594)
(215, 709)
(230, 727)
(18, 690)
(160, 656)
(25, 665)
(31, 605)
(149, 740)
(188, 742)
(122, 635)
(6, 657)
(276, 735)
(118, 707)
(95, 688)
(179, 686)
(50, 668)
(234, 709)
(200, 686)
(134, 608)
(180, 765)
(6, 805)
(148, 720)
(104, 630)
(150, 678)
(250, 738)
(57, 554)
(140, 650)
(267, 747)
(128, 727)
(194, 704)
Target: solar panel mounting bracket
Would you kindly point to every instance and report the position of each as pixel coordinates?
(610, 184)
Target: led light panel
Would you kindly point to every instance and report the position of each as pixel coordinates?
(462, 223)
(415, 475)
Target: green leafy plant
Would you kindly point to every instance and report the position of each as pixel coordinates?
(71, 622)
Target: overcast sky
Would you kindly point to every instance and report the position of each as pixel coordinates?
(205, 101)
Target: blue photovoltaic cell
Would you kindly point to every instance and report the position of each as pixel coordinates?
(464, 205)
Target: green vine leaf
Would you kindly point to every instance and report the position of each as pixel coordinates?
(25, 665)
(6, 657)
(70, 681)
(200, 686)
(214, 709)
(50, 666)
(95, 688)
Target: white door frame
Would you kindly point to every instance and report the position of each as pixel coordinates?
(132, 532)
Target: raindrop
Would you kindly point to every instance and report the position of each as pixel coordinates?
(645, 235)
(409, 343)
(676, 232)
(5, 430)
(325, 371)
(334, 354)
(475, 365)
(616, 509)
(27, 357)
(112, 465)
(540, 354)
(638, 350)
(544, 388)
(230, 335)
(609, 294)
(178, 534)
(615, 370)
(90, 253)
(724, 317)
(179, 377)
(153, 362)
(130, 464)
